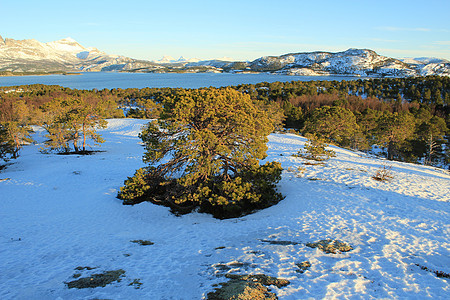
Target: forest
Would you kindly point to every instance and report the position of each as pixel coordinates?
(405, 119)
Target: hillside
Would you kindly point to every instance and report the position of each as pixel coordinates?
(60, 221)
(69, 55)
(62, 55)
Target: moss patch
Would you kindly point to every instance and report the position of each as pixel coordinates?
(143, 242)
(247, 287)
(303, 266)
(314, 164)
(282, 243)
(136, 283)
(96, 280)
(80, 268)
(331, 246)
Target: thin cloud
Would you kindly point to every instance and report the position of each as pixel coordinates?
(414, 53)
(442, 43)
(389, 28)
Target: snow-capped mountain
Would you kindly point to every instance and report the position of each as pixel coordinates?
(354, 62)
(360, 62)
(167, 59)
(425, 60)
(63, 55)
(429, 65)
(68, 55)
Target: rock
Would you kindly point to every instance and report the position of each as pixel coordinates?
(282, 243)
(303, 266)
(244, 290)
(247, 287)
(143, 242)
(261, 278)
(96, 280)
(331, 246)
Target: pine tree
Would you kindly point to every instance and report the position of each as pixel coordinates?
(335, 123)
(393, 129)
(315, 149)
(204, 152)
(432, 132)
(71, 120)
(15, 129)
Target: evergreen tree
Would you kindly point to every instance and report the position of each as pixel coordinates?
(205, 151)
(334, 123)
(367, 122)
(393, 129)
(15, 129)
(315, 149)
(432, 132)
(71, 119)
(148, 109)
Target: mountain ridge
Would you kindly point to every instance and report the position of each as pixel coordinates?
(68, 55)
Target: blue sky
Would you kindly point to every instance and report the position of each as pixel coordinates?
(243, 30)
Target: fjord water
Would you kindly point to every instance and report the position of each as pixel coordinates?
(102, 80)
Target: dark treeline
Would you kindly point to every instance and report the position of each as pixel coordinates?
(70, 117)
(408, 118)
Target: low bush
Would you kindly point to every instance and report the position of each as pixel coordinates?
(383, 174)
(239, 195)
(315, 149)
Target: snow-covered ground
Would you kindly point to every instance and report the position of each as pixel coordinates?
(59, 212)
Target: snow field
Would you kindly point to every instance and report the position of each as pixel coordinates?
(58, 212)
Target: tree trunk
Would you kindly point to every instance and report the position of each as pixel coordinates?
(390, 150)
(75, 142)
(84, 137)
(430, 149)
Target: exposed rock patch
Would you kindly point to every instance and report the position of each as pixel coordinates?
(331, 246)
(246, 287)
(143, 242)
(303, 266)
(222, 268)
(282, 243)
(96, 280)
(440, 274)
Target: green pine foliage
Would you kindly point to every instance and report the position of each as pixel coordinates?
(73, 120)
(315, 149)
(380, 107)
(334, 123)
(432, 132)
(393, 130)
(15, 130)
(204, 151)
(136, 187)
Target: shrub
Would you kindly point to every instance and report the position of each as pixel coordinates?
(315, 149)
(384, 173)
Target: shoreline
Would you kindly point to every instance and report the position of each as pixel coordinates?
(20, 74)
(16, 74)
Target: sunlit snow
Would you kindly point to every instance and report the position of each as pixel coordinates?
(60, 212)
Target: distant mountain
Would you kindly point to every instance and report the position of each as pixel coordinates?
(62, 55)
(170, 60)
(424, 60)
(69, 55)
(359, 62)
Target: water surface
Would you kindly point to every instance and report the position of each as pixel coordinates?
(102, 80)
